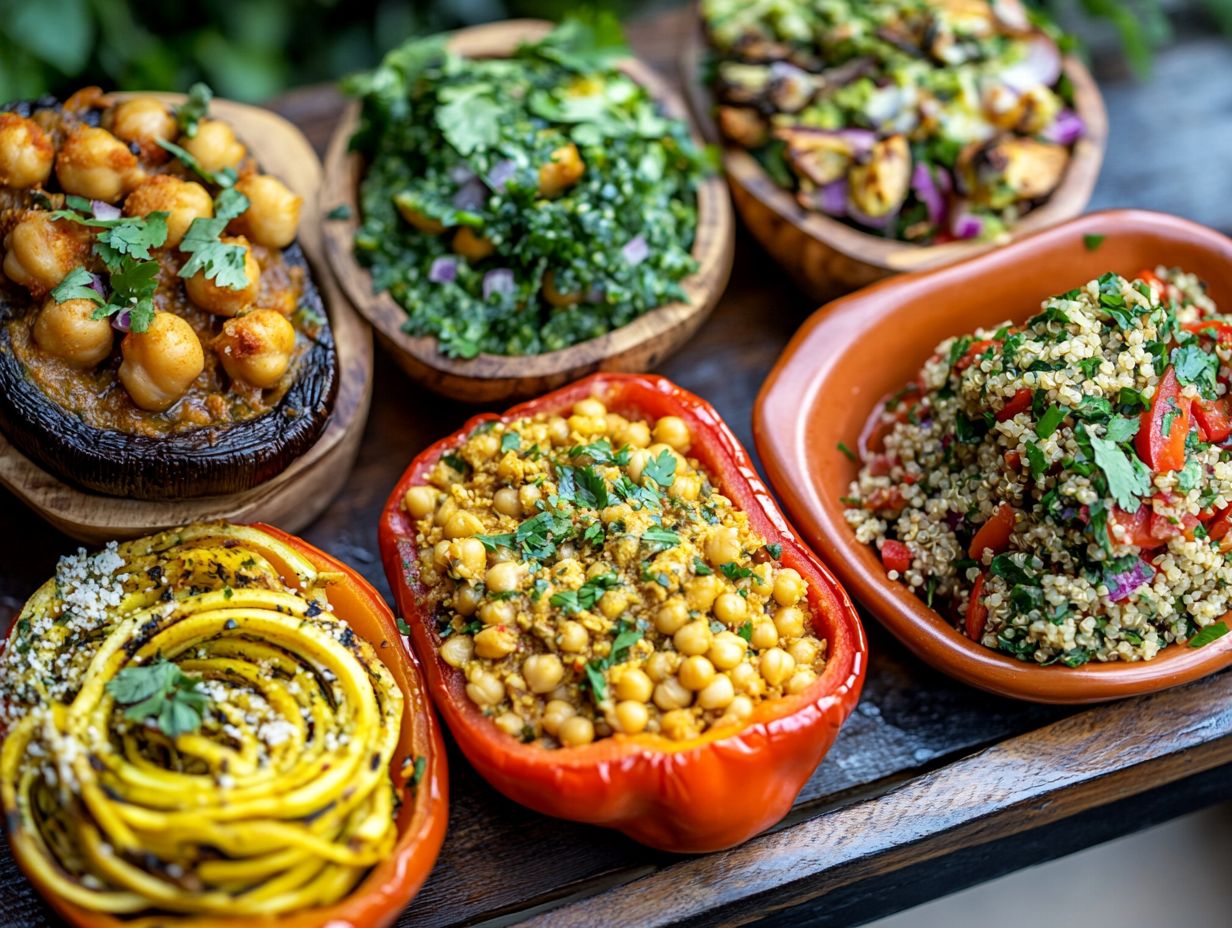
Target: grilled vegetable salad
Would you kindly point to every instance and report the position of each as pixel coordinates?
(522, 205)
(1065, 485)
(922, 120)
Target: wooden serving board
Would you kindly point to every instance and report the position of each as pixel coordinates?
(931, 787)
(297, 495)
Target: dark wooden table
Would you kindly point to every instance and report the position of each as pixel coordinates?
(932, 786)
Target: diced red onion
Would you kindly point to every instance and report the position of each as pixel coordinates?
(122, 321)
(953, 519)
(97, 285)
(929, 193)
(499, 280)
(964, 224)
(635, 251)
(832, 198)
(443, 271)
(472, 195)
(1041, 65)
(500, 175)
(1066, 129)
(103, 210)
(1122, 585)
(460, 174)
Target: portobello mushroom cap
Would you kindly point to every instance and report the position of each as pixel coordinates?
(207, 461)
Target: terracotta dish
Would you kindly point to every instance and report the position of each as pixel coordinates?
(857, 350)
(487, 378)
(827, 257)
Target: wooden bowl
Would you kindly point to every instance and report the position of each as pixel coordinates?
(826, 257)
(489, 378)
(297, 495)
(851, 354)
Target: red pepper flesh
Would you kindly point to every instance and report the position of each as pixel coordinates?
(977, 612)
(895, 555)
(994, 534)
(1163, 449)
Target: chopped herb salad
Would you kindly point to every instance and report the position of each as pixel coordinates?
(921, 120)
(1064, 486)
(525, 204)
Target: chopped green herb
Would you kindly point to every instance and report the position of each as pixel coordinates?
(1049, 421)
(160, 690)
(1093, 241)
(847, 452)
(510, 441)
(1212, 632)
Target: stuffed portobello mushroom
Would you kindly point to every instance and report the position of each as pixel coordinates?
(160, 333)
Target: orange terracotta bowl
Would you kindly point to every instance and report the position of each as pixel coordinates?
(855, 351)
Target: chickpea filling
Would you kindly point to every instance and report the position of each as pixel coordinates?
(591, 581)
(144, 283)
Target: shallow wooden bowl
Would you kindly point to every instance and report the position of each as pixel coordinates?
(490, 378)
(826, 257)
(854, 352)
(297, 495)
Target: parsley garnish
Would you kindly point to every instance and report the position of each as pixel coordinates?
(1122, 428)
(745, 631)
(1035, 458)
(220, 261)
(733, 571)
(659, 539)
(403, 628)
(1093, 241)
(626, 637)
(1049, 421)
(775, 550)
(846, 451)
(76, 286)
(510, 441)
(585, 596)
(1197, 367)
(224, 178)
(190, 113)
(1212, 632)
(661, 469)
(701, 568)
(1128, 478)
(162, 691)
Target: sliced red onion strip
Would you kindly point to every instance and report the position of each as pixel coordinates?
(1041, 65)
(635, 251)
(498, 280)
(964, 224)
(1066, 129)
(471, 196)
(1122, 585)
(103, 210)
(443, 271)
(929, 193)
(122, 321)
(832, 198)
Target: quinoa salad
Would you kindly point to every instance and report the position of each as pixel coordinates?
(1063, 487)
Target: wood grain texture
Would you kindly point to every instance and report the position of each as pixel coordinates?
(491, 378)
(826, 257)
(297, 495)
(501, 864)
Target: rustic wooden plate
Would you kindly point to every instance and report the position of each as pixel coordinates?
(297, 495)
(489, 378)
(859, 349)
(826, 257)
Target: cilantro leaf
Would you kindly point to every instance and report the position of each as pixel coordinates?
(745, 631)
(76, 285)
(162, 691)
(220, 261)
(510, 441)
(539, 535)
(661, 469)
(1122, 428)
(224, 178)
(732, 571)
(585, 596)
(775, 550)
(701, 568)
(659, 539)
(1035, 458)
(470, 117)
(190, 113)
(1128, 480)
(229, 204)
(1197, 367)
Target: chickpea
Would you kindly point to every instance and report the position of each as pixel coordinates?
(696, 672)
(26, 153)
(223, 301)
(634, 685)
(555, 713)
(160, 363)
(469, 558)
(529, 496)
(445, 511)
(788, 587)
(776, 665)
(591, 407)
(804, 651)
(672, 694)
(717, 694)
(93, 163)
(764, 635)
(485, 689)
(740, 708)
(543, 672)
(731, 608)
(510, 723)
(457, 650)
(613, 603)
(789, 622)
(256, 348)
(686, 487)
(727, 650)
(421, 501)
(70, 332)
(701, 592)
(745, 679)
(575, 731)
(587, 425)
(505, 577)
(495, 642)
(144, 120)
(673, 432)
(558, 430)
(678, 725)
(471, 245)
(661, 665)
(573, 637)
(41, 252)
(485, 445)
(761, 581)
(722, 546)
(693, 638)
(272, 217)
(497, 612)
(563, 170)
(182, 201)
(463, 525)
(672, 616)
(505, 501)
(631, 716)
(443, 476)
(466, 600)
(637, 463)
(215, 146)
(635, 435)
(800, 681)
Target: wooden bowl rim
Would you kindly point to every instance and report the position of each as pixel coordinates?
(93, 517)
(1067, 201)
(712, 245)
(797, 384)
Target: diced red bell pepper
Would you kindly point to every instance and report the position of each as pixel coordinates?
(1220, 331)
(1163, 449)
(1146, 528)
(895, 555)
(994, 533)
(887, 501)
(977, 612)
(1019, 402)
(974, 350)
(1214, 419)
(1152, 280)
(1013, 460)
(1219, 526)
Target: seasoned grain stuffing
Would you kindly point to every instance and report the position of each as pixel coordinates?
(1064, 487)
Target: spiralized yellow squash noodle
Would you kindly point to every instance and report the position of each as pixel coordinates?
(188, 734)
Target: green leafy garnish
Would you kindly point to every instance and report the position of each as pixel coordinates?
(1036, 459)
(733, 571)
(1196, 367)
(190, 113)
(76, 286)
(224, 178)
(510, 441)
(846, 451)
(160, 690)
(1212, 632)
(659, 539)
(661, 469)
(627, 636)
(701, 568)
(745, 631)
(1128, 478)
(1122, 428)
(1093, 241)
(221, 262)
(1049, 421)
(585, 596)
